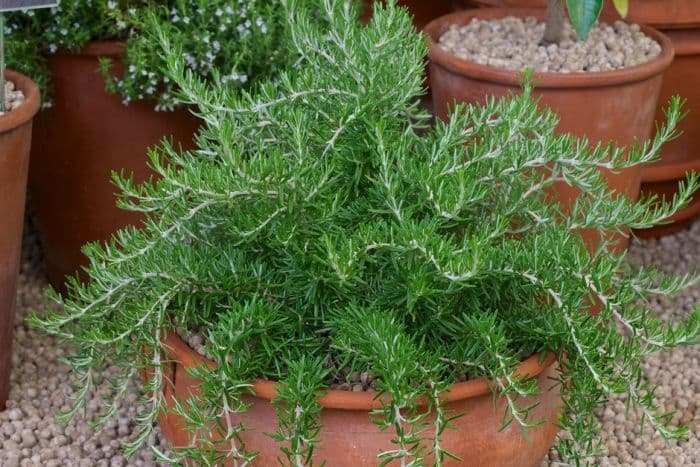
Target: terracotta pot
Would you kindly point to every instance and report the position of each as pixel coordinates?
(682, 219)
(15, 140)
(350, 439)
(423, 12)
(607, 106)
(78, 142)
(681, 155)
(680, 21)
(662, 14)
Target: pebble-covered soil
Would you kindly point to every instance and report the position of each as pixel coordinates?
(513, 43)
(29, 436)
(13, 97)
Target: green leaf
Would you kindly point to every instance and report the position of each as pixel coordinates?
(622, 7)
(583, 14)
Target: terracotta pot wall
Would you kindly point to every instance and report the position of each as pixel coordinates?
(614, 106)
(350, 439)
(78, 142)
(15, 139)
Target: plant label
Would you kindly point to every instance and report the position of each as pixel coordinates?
(11, 5)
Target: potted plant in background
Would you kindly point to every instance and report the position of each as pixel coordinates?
(680, 21)
(358, 284)
(603, 81)
(19, 102)
(110, 101)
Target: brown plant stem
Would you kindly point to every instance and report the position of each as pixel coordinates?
(556, 18)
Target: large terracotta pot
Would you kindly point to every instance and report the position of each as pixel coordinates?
(661, 14)
(606, 106)
(680, 21)
(423, 12)
(85, 136)
(350, 439)
(15, 140)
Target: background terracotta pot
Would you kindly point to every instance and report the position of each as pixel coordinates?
(423, 11)
(78, 142)
(680, 21)
(662, 14)
(606, 106)
(681, 155)
(350, 439)
(15, 140)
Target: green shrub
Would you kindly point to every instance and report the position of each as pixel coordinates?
(324, 224)
(234, 42)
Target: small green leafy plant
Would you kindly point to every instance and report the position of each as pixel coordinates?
(583, 15)
(235, 42)
(324, 224)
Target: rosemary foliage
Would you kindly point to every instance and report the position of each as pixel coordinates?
(324, 224)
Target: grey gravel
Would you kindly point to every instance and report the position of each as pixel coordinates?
(29, 436)
(513, 43)
(13, 97)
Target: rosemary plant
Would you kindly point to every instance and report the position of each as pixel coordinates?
(325, 224)
(236, 42)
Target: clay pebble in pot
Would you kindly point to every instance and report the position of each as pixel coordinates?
(13, 97)
(617, 104)
(349, 438)
(78, 142)
(15, 139)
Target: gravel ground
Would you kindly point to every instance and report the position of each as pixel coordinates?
(513, 43)
(13, 98)
(29, 437)
(28, 434)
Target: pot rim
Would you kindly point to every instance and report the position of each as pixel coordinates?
(692, 210)
(96, 48)
(664, 171)
(180, 352)
(686, 41)
(25, 112)
(583, 79)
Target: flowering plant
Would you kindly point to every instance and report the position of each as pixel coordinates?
(232, 41)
